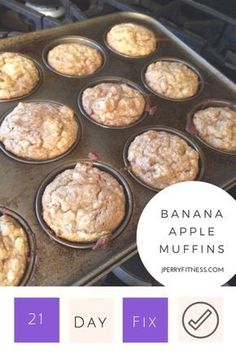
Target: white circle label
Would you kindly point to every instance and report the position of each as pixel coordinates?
(186, 235)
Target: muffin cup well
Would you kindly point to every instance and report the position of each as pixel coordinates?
(102, 166)
(31, 242)
(170, 130)
(119, 80)
(44, 161)
(190, 127)
(73, 40)
(200, 79)
(37, 86)
(125, 55)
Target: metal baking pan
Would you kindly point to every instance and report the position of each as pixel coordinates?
(58, 264)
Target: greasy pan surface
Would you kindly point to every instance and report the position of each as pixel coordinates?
(58, 264)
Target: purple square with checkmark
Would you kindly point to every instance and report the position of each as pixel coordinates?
(145, 320)
(36, 320)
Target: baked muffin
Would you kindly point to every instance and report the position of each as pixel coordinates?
(217, 126)
(131, 39)
(75, 59)
(172, 79)
(83, 204)
(159, 159)
(113, 104)
(14, 251)
(18, 75)
(39, 131)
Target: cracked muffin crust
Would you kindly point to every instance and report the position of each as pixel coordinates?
(160, 159)
(113, 104)
(75, 59)
(18, 75)
(83, 204)
(14, 251)
(131, 39)
(172, 79)
(217, 126)
(39, 131)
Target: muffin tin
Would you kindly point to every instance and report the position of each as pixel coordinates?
(63, 265)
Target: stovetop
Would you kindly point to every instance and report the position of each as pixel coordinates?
(210, 30)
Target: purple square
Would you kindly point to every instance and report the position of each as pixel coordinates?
(145, 320)
(36, 319)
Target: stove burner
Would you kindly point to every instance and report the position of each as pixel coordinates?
(133, 273)
(209, 32)
(47, 8)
